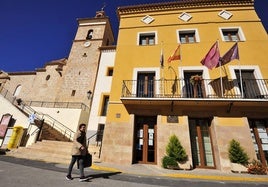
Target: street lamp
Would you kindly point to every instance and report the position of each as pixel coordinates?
(89, 93)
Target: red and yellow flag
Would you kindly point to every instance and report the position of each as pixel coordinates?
(176, 55)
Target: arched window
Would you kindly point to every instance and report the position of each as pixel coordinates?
(89, 34)
(17, 91)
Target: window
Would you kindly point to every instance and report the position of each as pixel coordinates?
(47, 77)
(17, 91)
(110, 71)
(100, 132)
(225, 14)
(232, 34)
(251, 83)
(193, 90)
(185, 16)
(147, 38)
(188, 36)
(89, 34)
(73, 93)
(147, 19)
(105, 105)
(145, 84)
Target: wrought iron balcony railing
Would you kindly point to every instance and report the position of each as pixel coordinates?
(221, 88)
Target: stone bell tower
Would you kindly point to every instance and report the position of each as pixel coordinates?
(79, 75)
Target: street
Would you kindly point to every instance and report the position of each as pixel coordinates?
(16, 172)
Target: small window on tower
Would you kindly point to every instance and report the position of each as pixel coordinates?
(73, 93)
(47, 77)
(89, 34)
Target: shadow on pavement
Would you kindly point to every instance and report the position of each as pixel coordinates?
(102, 175)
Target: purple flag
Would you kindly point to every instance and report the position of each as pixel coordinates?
(229, 55)
(211, 60)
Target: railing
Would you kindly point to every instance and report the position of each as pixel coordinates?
(7, 95)
(65, 131)
(98, 138)
(221, 88)
(57, 104)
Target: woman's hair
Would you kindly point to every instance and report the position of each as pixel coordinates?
(81, 125)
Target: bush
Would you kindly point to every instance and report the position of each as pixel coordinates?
(237, 154)
(169, 162)
(175, 150)
(256, 167)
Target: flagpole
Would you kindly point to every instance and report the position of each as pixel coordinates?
(181, 72)
(240, 76)
(220, 72)
(162, 70)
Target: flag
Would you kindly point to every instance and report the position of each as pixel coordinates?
(176, 55)
(161, 59)
(212, 58)
(229, 55)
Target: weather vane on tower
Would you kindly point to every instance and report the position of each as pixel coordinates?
(104, 5)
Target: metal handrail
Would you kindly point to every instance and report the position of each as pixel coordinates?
(64, 130)
(94, 135)
(221, 88)
(58, 104)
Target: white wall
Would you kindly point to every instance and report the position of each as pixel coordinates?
(7, 107)
(103, 86)
(20, 119)
(67, 116)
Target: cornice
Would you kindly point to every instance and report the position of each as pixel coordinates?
(111, 47)
(182, 4)
(22, 73)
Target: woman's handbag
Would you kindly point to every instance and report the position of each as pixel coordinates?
(87, 160)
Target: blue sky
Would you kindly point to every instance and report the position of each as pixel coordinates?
(34, 32)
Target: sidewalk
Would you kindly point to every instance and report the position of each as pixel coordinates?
(203, 174)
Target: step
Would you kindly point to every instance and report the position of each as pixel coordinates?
(51, 151)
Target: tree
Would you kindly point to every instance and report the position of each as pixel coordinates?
(174, 149)
(237, 154)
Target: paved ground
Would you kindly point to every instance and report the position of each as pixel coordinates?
(20, 172)
(204, 174)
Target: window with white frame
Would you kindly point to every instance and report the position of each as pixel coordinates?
(188, 36)
(232, 34)
(148, 38)
(251, 83)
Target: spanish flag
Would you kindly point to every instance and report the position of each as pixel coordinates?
(176, 55)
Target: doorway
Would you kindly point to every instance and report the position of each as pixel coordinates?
(201, 143)
(259, 134)
(191, 90)
(249, 84)
(145, 84)
(145, 134)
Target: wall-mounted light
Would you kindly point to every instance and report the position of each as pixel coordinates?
(89, 93)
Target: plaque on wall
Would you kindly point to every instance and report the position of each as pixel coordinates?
(172, 119)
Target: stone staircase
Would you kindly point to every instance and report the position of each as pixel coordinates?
(49, 133)
(51, 151)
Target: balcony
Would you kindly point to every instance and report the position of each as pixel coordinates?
(187, 95)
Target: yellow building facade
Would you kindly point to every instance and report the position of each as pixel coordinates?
(205, 108)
